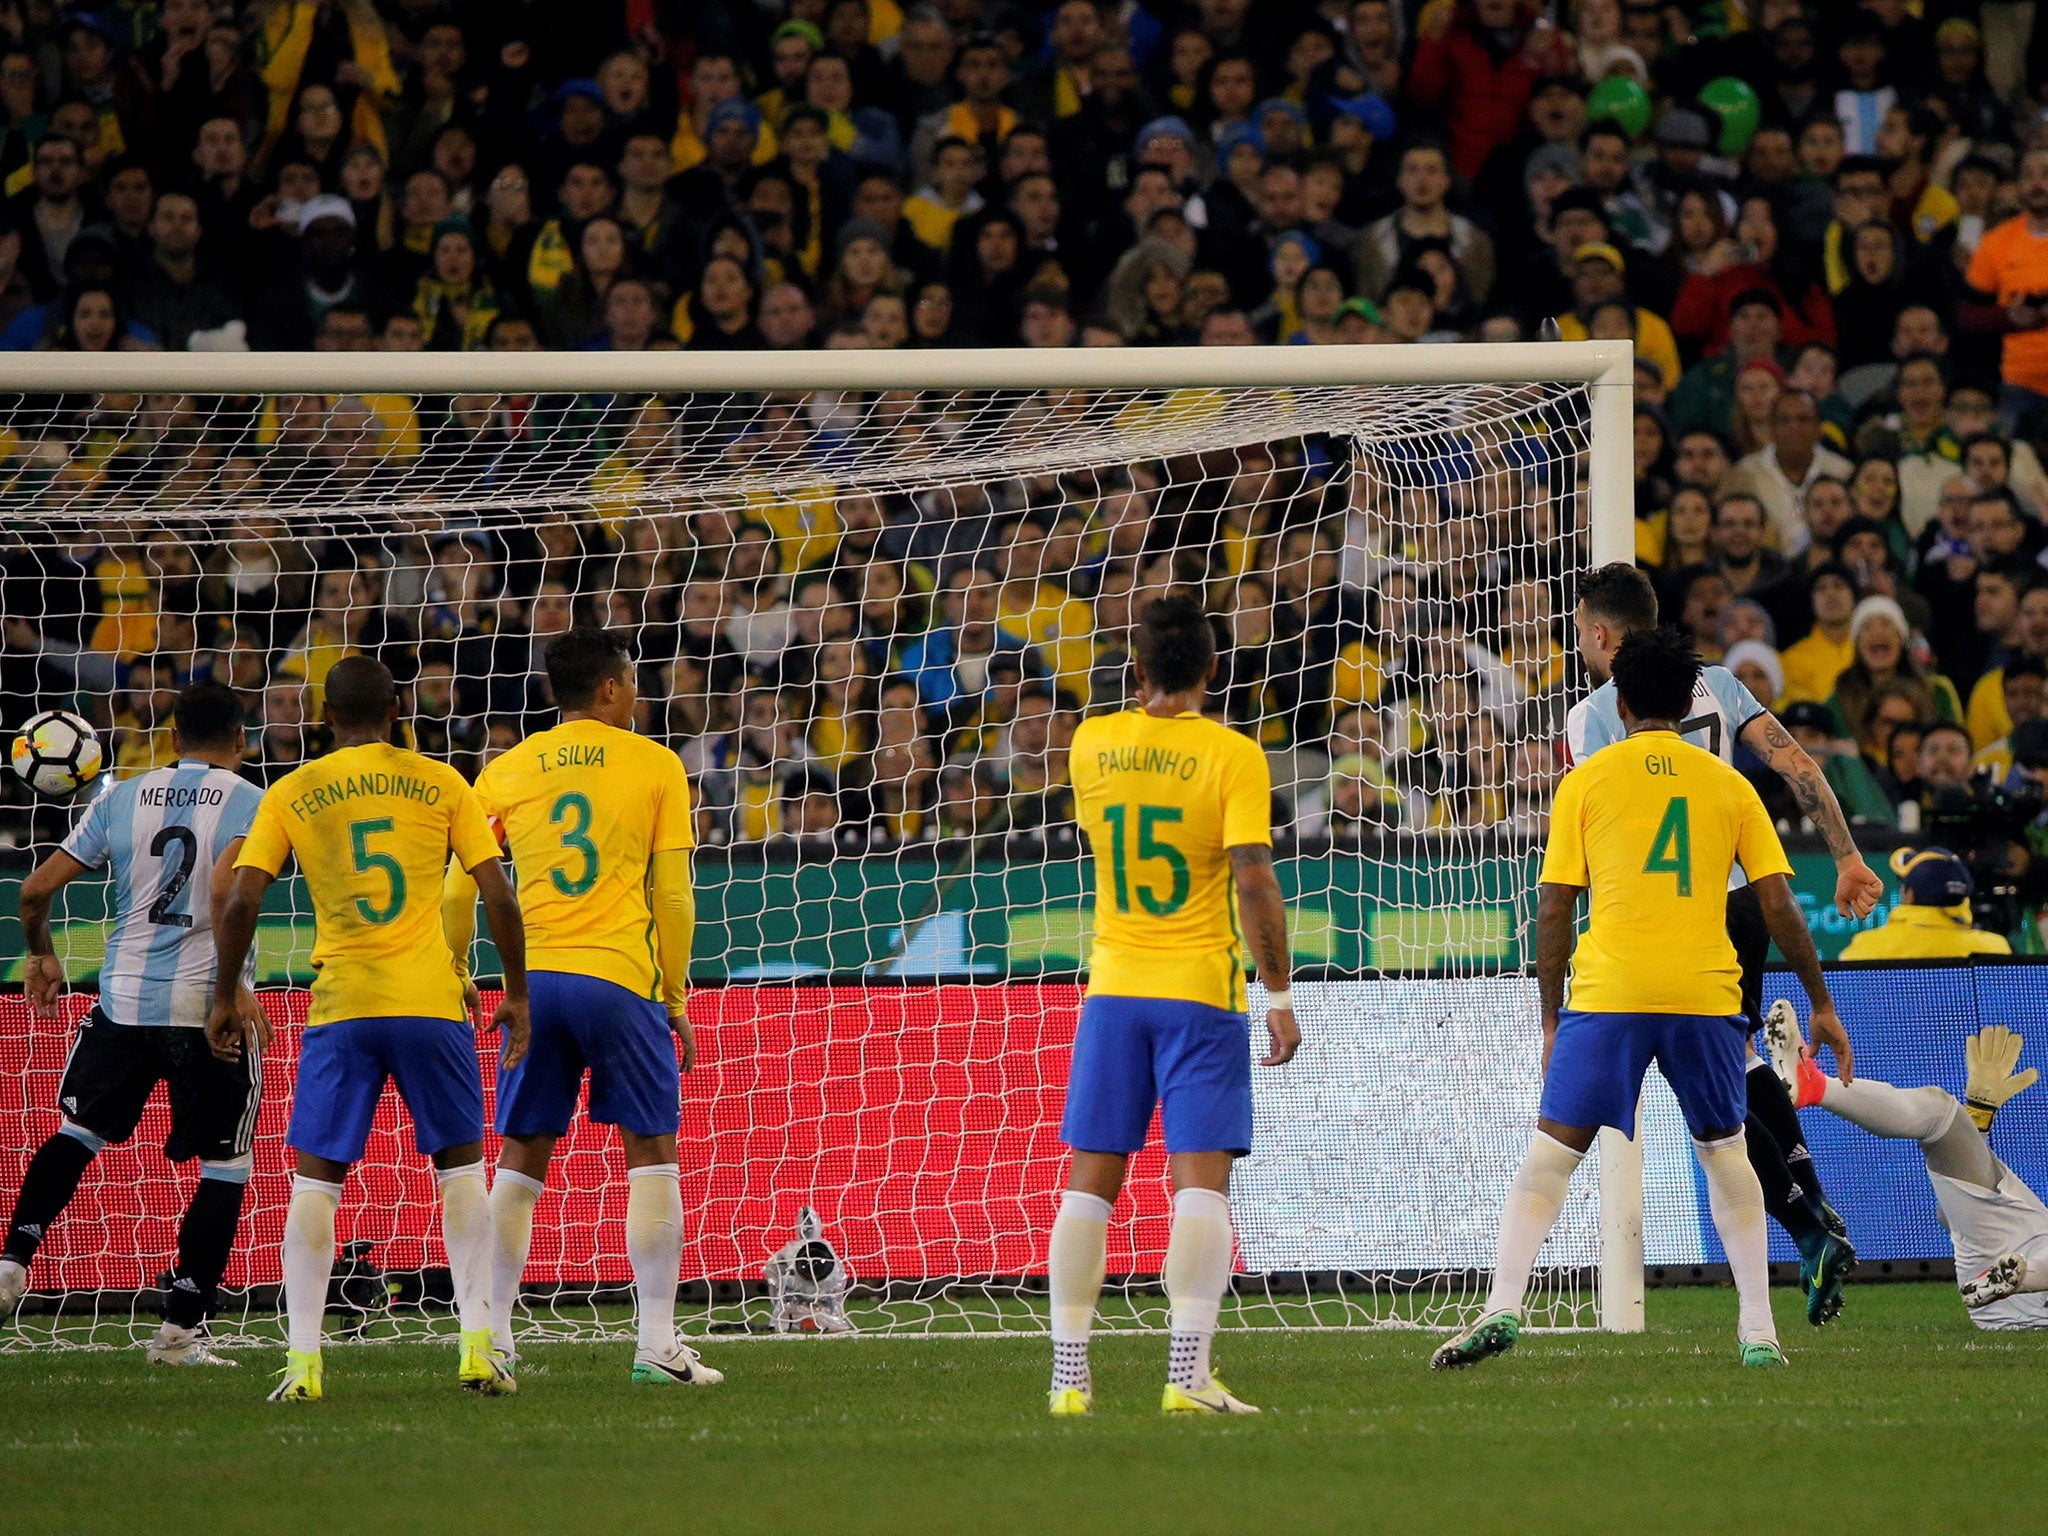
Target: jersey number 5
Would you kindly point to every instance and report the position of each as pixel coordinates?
(359, 835)
(1149, 847)
(1671, 849)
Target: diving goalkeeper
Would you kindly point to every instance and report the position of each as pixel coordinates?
(1998, 1226)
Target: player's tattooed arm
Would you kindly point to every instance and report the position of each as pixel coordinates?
(1557, 910)
(1857, 886)
(1264, 916)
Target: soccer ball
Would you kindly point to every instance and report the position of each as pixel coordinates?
(57, 753)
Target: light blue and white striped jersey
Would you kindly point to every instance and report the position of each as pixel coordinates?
(1721, 709)
(162, 833)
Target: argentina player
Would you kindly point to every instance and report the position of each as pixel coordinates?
(166, 835)
(1615, 602)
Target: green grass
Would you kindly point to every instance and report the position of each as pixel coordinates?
(1900, 1417)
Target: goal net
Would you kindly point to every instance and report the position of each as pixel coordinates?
(871, 596)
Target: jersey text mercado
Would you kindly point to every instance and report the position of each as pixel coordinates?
(1162, 802)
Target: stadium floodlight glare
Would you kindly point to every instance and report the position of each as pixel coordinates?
(893, 908)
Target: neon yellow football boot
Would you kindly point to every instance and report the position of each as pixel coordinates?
(482, 1368)
(301, 1378)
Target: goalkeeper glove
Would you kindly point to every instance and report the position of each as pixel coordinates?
(1991, 1055)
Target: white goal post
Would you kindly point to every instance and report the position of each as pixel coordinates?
(1441, 482)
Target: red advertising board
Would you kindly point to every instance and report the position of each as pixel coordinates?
(921, 1122)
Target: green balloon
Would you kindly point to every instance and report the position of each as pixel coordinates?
(1735, 103)
(1622, 98)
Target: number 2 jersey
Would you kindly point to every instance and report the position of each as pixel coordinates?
(1651, 826)
(1161, 801)
(583, 808)
(372, 827)
(162, 833)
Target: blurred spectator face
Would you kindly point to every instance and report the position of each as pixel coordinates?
(1879, 645)
(1944, 756)
(1280, 197)
(1820, 147)
(925, 49)
(510, 198)
(996, 248)
(554, 611)
(955, 171)
(1814, 372)
(442, 51)
(92, 320)
(1919, 392)
(1752, 676)
(1834, 600)
(87, 57)
(1754, 331)
(2034, 622)
(623, 79)
(1425, 179)
(1701, 460)
(402, 333)
(1918, 329)
(1756, 396)
(129, 198)
(1595, 281)
(219, 150)
(1605, 161)
(1895, 731)
(1201, 294)
(319, 116)
(885, 323)
(174, 226)
(1969, 411)
(581, 121)
(1997, 605)
(362, 174)
(1995, 530)
(1745, 620)
(1691, 524)
(984, 72)
(603, 248)
(791, 60)
(1037, 203)
(59, 168)
(433, 691)
(828, 83)
(585, 192)
(284, 711)
(629, 315)
(425, 201)
(877, 198)
(2033, 183)
(1874, 491)
(1408, 313)
(1025, 153)
(514, 333)
(454, 258)
(1229, 328)
(645, 164)
(1046, 323)
(1795, 427)
(786, 316)
(2025, 698)
(1771, 159)
(1232, 89)
(1738, 530)
(1706, 599)
(345, 330)
(1988, 464)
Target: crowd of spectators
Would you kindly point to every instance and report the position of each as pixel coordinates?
(1825, 227)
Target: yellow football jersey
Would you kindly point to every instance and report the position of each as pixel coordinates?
(372, 827)
(1653, 825)
(583, 808)
(1161, 800)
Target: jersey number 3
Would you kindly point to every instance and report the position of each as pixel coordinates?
(1149, 847)
(1671, 849)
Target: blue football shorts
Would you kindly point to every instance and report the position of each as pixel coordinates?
(584, 1023)
(343, 1067)
(1191, 1060)
(1598, 1062)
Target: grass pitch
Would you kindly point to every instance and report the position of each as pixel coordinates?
(1901, 1416)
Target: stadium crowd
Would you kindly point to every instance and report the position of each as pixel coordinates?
(1821, 225)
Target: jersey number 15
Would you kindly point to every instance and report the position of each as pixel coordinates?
(1149, 846)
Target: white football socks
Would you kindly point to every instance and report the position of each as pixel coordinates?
(513, 1197)
(308, 1259)
(1075, 1261)
(466, 1233)
(654, 1242)
(1736, 1200)
(1903, 1114)
(1199, 1255)
(1535, 1199)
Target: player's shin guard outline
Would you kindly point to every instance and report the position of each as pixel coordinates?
(1534, 1201)
(1736, 1201)
(1076, 1260)
(1199, 1254)
(308, 1259)
(513, 1197)
(654, 1242)
(466, 1233)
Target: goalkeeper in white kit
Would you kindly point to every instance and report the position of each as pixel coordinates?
(1998, 1226)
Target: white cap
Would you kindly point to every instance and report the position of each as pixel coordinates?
(1879, 607)
(1763, 656)
(326, 206)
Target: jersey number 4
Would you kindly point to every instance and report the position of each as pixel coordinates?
(1149, 847)
(1671, 849)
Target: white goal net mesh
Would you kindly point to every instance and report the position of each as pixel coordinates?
(869, 623)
